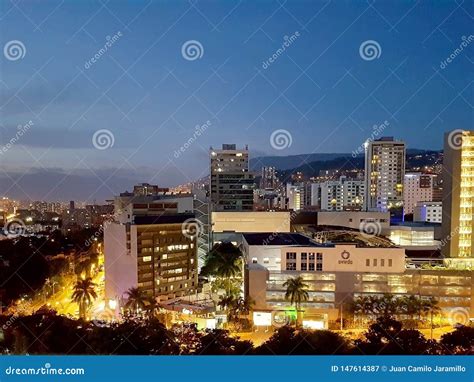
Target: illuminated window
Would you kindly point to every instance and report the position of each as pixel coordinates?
(146, 258)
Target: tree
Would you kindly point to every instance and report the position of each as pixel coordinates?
(459, 341)
(286, 340)
(218, 341)
(224, 261)
(296, 293)
(137, 300)
(84, 293)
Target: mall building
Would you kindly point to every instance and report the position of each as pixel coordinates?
(337, 273)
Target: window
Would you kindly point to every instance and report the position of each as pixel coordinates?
(367, 262)
(254, 260)
(382, 262)
(319, 257)
(304, 266)
(146, 258)
(319, 267)
(389, 262)
(311, 256)
(266, 260)
(291, 255)
(375, 262)
(311, 266)
(291, 266)
(304, 256)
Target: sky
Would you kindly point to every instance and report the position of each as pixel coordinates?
(110, 93)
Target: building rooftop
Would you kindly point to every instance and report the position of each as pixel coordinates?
(162, 219)
(284, 239)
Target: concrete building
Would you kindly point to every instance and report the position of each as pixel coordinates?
(294, 197)
(231, 183)
(153, 254)
(412, 235)
(262, 221)
(355, 219)
(336, 274)
(128, 205)
(429, 212)
(384, 174)
(269, 179)
(458, 197)
(339, 195)
(417, 187)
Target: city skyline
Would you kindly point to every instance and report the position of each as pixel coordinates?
(150, 92)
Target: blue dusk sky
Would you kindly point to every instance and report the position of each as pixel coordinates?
(115, 89)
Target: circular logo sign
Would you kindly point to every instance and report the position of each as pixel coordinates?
(345, 255)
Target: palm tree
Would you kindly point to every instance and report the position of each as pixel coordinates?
(224, 261)
(84, 293)
(296, 293)
(136, 300)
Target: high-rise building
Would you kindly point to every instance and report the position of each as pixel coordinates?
(294, 197)
(429, 212)
(269, 179)
(417, 187)
(231, 182)
(458, 194)
(384, 174)
(154, 249)
(340, 195)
